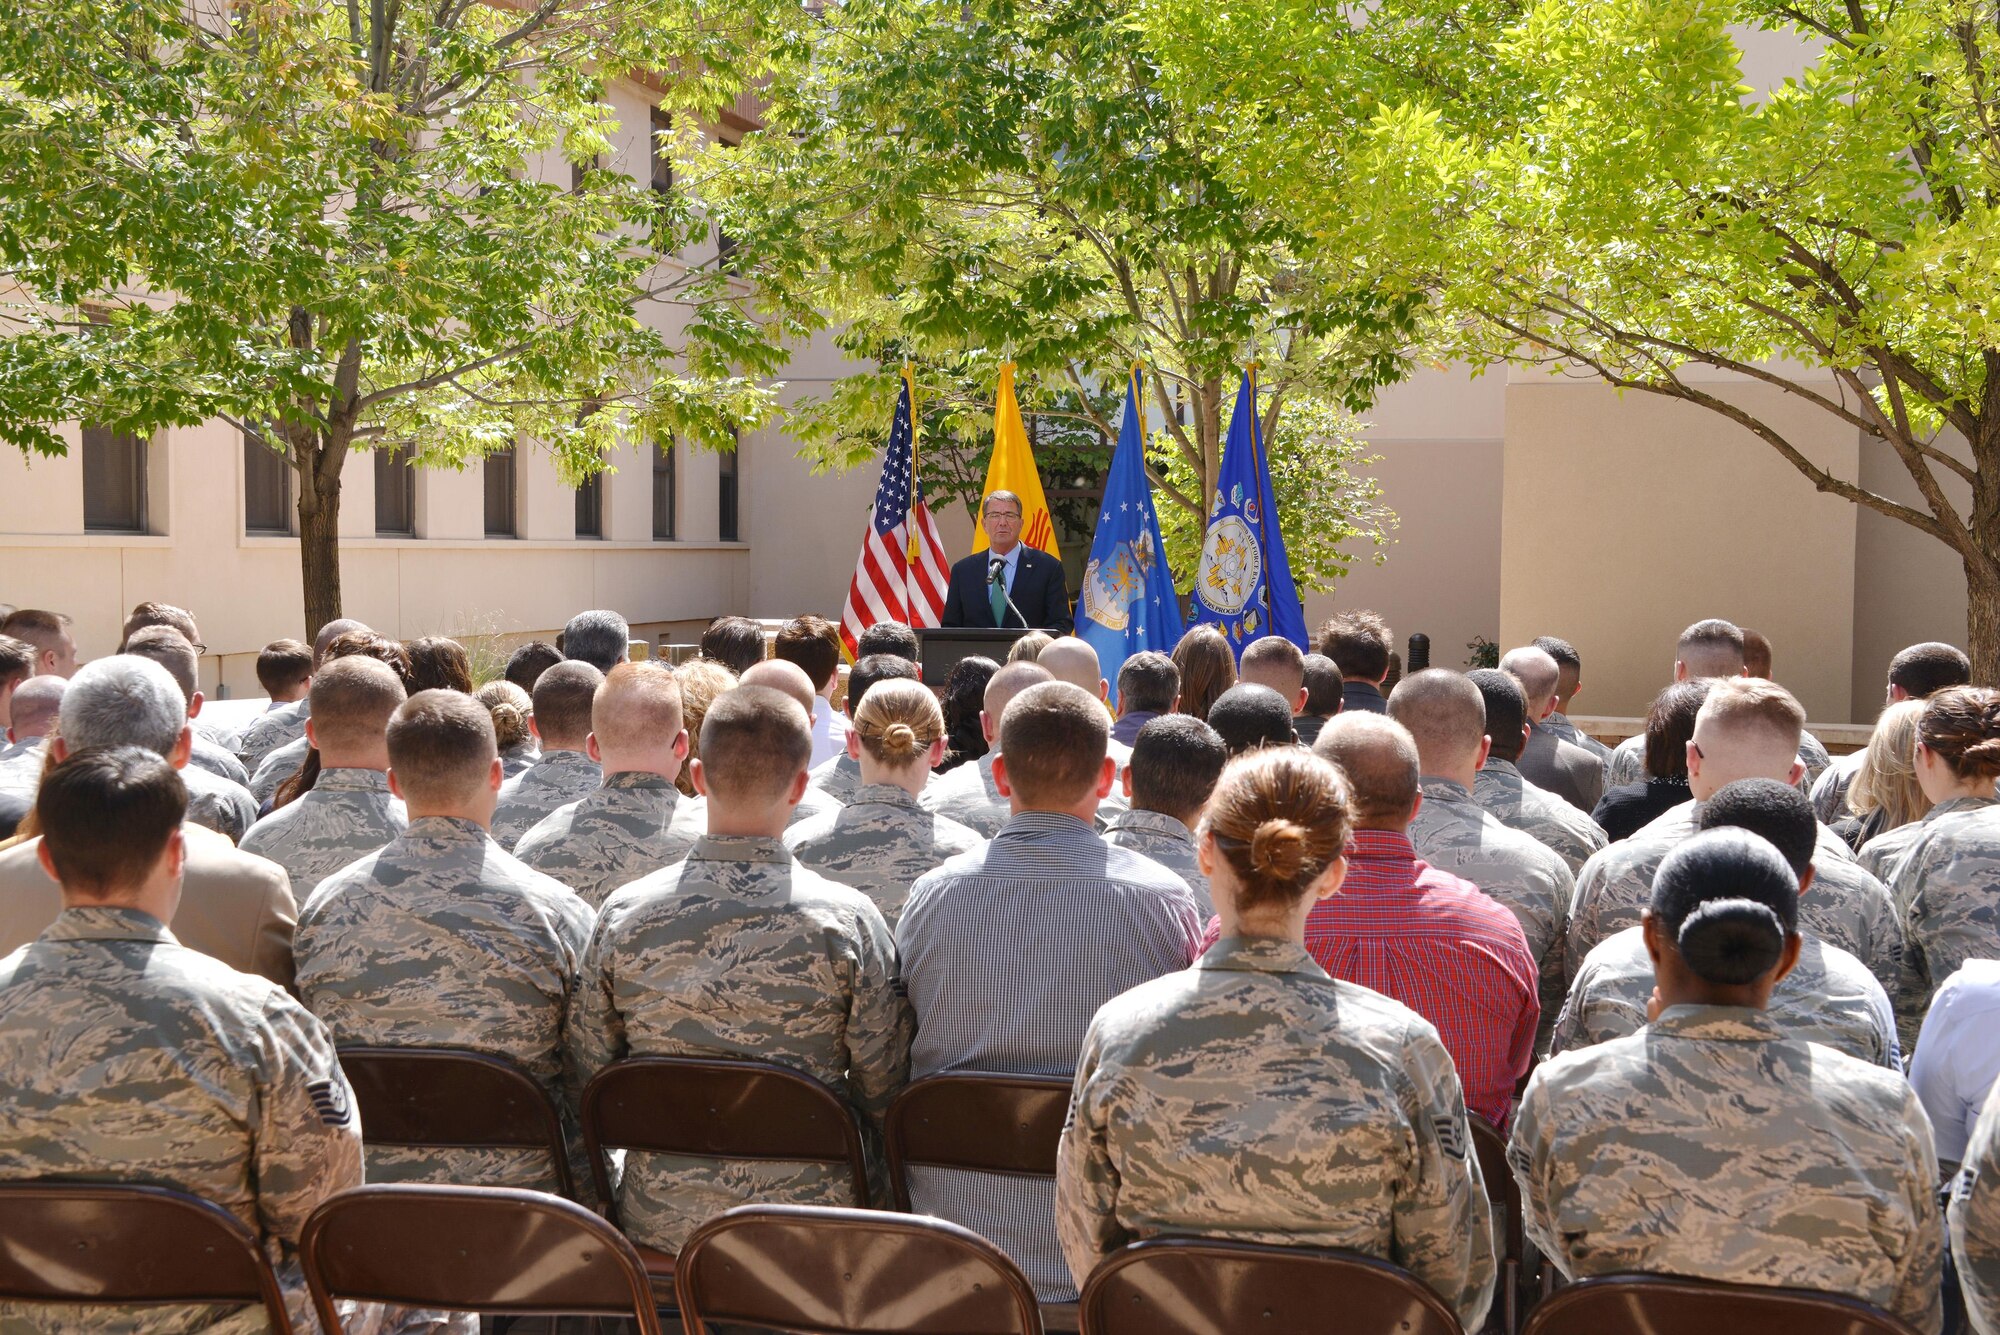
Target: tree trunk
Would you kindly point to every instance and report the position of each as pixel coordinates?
(319, 540)
(1982, 619)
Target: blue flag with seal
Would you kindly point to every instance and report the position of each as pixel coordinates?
(1128, 603)
(1244, 585)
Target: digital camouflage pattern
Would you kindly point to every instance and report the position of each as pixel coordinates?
(879, 844)
(348, 814)
(444, 940)
(1627, 763)
(215, 803)
(1536, 812)
(1829, 998)
(739, 952)
(838, 777)
(556, 780)
(1560, 723)
(275, 727)
(1714, 1145)
(1815, 757)
(633, 825)
(518, 758)
(1254, 1098)
(1948, 884)
(1884, 853)
(968, 795)
(1167, 842)
(279, 764)
(127, 1057)
(1974, 1216)
(205, 753)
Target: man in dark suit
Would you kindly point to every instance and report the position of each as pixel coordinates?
(985, 582)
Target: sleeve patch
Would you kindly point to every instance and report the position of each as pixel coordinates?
(1451, 1134)
(330, 1101)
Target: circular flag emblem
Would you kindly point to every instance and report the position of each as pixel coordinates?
(1231, 566)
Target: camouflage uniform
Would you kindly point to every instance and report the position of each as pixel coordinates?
(203, 753)
(1845, 905)
(217, 804)
(1167, 842)
(738, 952)
(1712, 1145)
(1815, 757)
(128, 1058)
(272, 729)
(518, 758)
(968, 796)
(1536, 812)
(1626, 764)
(1882, 854)
(814, 803)
(1254, 1098)
(1830, 998)
(1975, 1220)
(1946, 885)
(838, 777)
(557, 779)
(1559, 723)
(279, 764)
(636, 823)
(1829, 790)
(443, 940)
(1454, 833)
(879, 844)
(348, 815)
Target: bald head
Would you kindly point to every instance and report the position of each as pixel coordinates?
(1001, 688)
(1711, 648)
(1379, 757)
(1074, 661)
(353, 699)
(1748, 728)
(1446, 716)
(36, 702)
(637, 722)
(1539, 675)
(332, 631)
(1276, 662)
(784, 677)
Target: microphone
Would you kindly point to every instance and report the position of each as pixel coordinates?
(996, 575)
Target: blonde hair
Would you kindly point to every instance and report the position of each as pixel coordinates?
(1280, 816)
(1887, 779)
(702, 680)
(898, 720)
(1029, 647)
(510, 707)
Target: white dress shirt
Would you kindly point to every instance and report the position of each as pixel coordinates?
(1958, 1054)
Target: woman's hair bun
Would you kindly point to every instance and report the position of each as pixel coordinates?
(899, 739)
(1732, 941)
(1279, 849)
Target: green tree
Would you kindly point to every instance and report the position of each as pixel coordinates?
(964, 185)
(1590, 185)
(321, 222)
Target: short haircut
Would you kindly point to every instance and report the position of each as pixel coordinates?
(1379, 758)
(1322, 686)
(106, 814)
(1712, 648)
(563, 698)
(1248, 716)
(1073, 660)
(1727, 901)
(734, 642)
(17, 660)
(526, 664)
(1922, 670)
(754, 742)
(1003, 496)
(324, 637)
(123, 700)
(1506, 710)
(378, 647)
(1444, 712)
(158, 614)
(600, 638)
(887, 637)
(1009, 682)
(439, 664)
(1756, 654)
(1148, 682)
(1961, 724)
(37, 702)
(1562, 651)
(44, 630)
(1276, 662)
(283, 664)
(873, 669)
(1742, 706)
(1670, 727)
(441, 746)
(639, 704)
(1176, 760)
(1779, 813)
(1278, 818)
(813, 644)
(1207, 667)
(1053, 738)
(352, 700)
(1360, 642)
(170, 649)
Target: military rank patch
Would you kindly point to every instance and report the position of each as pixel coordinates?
(330, 1101)
(1451, 1134)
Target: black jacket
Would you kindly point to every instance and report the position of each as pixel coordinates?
(1039, 591)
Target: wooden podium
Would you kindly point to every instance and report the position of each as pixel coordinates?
(939, 651)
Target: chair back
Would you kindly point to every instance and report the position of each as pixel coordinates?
(1005, 1124)
(715, 1109)
(1504, 1194)
(817, 1271)
(449, 1098)
(1670, 1305)
(66, 1242)
(493, 1250)
(1193, 1286)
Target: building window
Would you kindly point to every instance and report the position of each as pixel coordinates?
(725, 244)
(577, 171)
(114, 481)
(590, 507)
(267, 487)
(499, 470)
(395, 493)
(664, 498)
(727, 487)
(663, 163)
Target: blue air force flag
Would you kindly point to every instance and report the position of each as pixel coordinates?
(1128, 603)
(1244, 586)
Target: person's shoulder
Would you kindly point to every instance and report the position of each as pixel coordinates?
(1840, 1078)
(212, 855)
(1974, 985)
(548, 833)
(814, 829)
(813, 892)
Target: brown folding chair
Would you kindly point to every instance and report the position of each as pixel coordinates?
(1504, 1194)
(1671, 1305)
(64, 1242)
(986, 1123)
(497, 1251)
(715, 1109)
(1194, 1286)
(452, 1099)
(817, 1271)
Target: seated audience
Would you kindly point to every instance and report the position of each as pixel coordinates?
(1886, 805)
(739, 952)
(1149, 685)
(701, 682)
(1711, 648)
(882, 840)
(284, 670)
(840, 777)
(560, 721)
(636, 822)
(1207, 666)
(1958, 1057)
(510, 708)
(129, 1057)
(1174, 768)
(1917, 673)
(599, 638)
(1507, 795)
(970, 794)
(1248, 717)
(1975, 1222)
(349, 812)
(49, 633)
(174, 652)
(1276, 662)
(789, 679)
(1341, 1125)
(1361, 643)
(526, 664)
(1785, 1163)
(17, 664)
(1625, 810)
(1829, 997)
(1081, 922)
(443, 940)
(887, 637)
(1323, 689)
(734, 642)
(294, 758)
(1546, 760)
(1569, 684)
(285, 723)
(812, 644)
(964, 697)
(1434, 942)
(439, 664)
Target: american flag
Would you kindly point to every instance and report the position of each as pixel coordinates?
(902, 574)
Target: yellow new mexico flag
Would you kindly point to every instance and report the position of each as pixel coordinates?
(1013, 469)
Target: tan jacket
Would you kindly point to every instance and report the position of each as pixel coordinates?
(235, 906)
